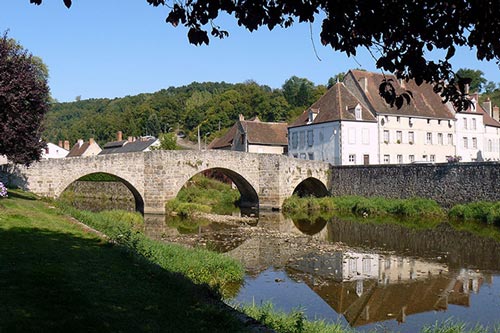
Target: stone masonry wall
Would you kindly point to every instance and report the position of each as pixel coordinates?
(448, 184)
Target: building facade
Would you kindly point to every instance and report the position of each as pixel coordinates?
(352, 124)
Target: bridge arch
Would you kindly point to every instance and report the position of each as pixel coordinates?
(249, 197)
(138, 198)
(311, 187)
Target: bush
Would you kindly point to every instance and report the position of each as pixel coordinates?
(480, 211)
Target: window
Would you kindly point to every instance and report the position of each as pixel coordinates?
(474, 143)
(295, 155)
(357, 112)
(465, 123)
(411, 158)
(399, 159)
(490, 145)
(398, 119)
(399, 137)
(321, 135)
(474, 125)
(428, 139)
(295, 140)
(386, 136)
(450, 139)
(352, 136)
(411, 138)
(302, 139)
(242, 139)
(352, 158)
(466, 142)
(365, 133)
(310, 156)
(387, 159)
(310, 138)
(303, 156)
(433, 158)
(440, 138)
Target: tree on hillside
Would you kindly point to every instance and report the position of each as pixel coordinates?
(24, 100)
(399, 34)
(477, 80)
(298, 91)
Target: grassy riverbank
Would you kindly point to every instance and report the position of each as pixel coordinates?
(361, 206)
(203, 194)
(56, 276)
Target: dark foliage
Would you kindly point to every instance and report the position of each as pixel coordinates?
(24, 96)
(399, 33)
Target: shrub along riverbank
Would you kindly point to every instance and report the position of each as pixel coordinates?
(486, 212)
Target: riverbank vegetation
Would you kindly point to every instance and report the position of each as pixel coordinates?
(365, 207)
(296, 322)
(57, 276)
(206, 195)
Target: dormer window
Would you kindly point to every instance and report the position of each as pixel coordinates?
(357, 112)
(474, 103)
(312, 115)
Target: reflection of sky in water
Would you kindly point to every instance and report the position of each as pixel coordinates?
(286, 295)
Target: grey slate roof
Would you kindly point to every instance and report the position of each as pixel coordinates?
(125, 146)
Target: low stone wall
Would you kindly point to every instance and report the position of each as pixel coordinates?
(447, 183)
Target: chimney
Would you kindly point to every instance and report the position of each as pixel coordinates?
(130, 139)
(91, 141)
(66, 144)
(496, 113)
(487, 106)
(466, 88)
(364, 83)
(242, 117)
(80, 142)
(60, 144)
(119, 136)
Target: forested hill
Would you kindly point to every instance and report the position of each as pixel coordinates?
(214, 106)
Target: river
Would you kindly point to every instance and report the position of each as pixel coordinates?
(364, 275)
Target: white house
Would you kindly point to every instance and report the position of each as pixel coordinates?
(478, 134)
(338, 128)
(423, 130)
(54, 151)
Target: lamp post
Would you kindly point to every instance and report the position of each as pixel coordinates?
(206, 134)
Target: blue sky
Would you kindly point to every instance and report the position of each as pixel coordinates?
(116, 48)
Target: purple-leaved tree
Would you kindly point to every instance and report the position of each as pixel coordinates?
(24, 100)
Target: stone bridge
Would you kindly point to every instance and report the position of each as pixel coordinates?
(264, 180)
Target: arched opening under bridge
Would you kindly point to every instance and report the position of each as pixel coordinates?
(103, 191)
(311, 187)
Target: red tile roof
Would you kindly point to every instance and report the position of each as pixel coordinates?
(274, 134)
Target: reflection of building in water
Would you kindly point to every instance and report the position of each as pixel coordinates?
(368, 287)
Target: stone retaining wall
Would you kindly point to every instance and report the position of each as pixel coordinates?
(447, 183)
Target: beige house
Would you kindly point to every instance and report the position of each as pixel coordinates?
(254, 136)
(81, 148)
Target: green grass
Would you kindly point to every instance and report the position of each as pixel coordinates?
(199, 265)
(296, 322)
(203, 194)
(360, 206)
(480, 211)
(57, 277)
